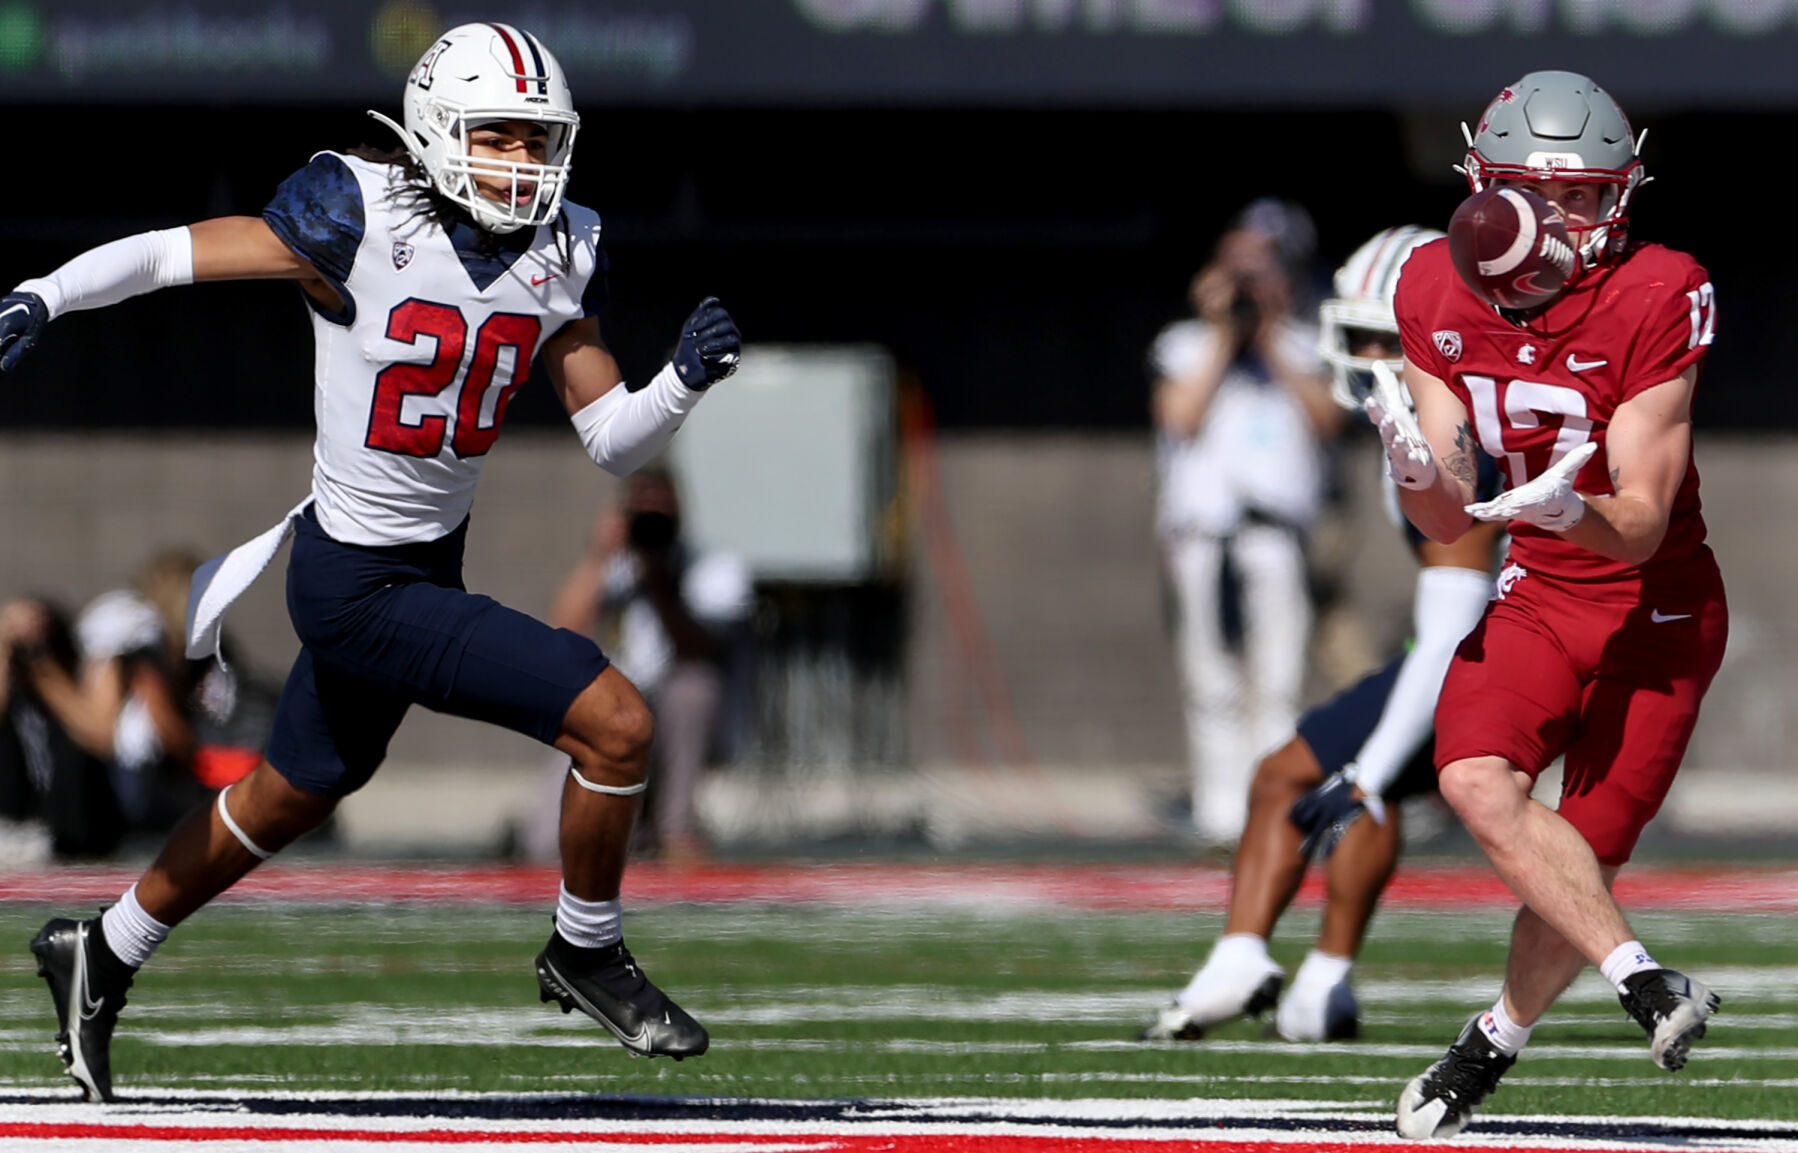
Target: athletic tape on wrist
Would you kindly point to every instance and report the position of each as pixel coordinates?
(608, 790)
(243, 838)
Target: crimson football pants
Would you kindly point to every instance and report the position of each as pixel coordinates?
(1607, 673)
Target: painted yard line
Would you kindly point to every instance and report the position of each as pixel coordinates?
(1122, 887)
(352, 1121)
(979, 1141)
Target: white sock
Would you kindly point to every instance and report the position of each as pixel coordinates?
(589, 924)
(1626, 960)
(1506, 1035)
(131, 933)
(1322, 970)
(1239, 950)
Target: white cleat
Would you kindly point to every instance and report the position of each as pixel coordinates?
(1312, 1012)
(1213, 998)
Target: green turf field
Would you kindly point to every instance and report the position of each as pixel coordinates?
(821, 1002)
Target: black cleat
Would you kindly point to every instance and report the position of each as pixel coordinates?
(607, 985)
(1441, 1102)
(1672, 1009)
(88, 984)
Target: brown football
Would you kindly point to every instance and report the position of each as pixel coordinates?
(1511, 247)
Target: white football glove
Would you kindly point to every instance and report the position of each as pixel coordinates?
(1548, 501)
(1408, 455)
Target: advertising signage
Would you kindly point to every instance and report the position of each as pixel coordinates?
(1265, 53)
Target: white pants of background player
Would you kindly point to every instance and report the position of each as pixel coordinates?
(1238, 707)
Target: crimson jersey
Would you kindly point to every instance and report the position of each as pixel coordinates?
(1537, 391)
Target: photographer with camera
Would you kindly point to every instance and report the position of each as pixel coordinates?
(55, 794)
(1242, 407)
(677, 618)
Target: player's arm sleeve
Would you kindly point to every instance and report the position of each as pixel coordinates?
(1676, 335)
(318, 212)
(625, 430)
(117, 271)
(1446, 605)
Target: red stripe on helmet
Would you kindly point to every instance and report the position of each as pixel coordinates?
(517, 57)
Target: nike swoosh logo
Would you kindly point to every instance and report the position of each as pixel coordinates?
(637, 1042)
(536, 280)
(13, 309)
(1575, 364)
(1661, 618)
(88, 1007)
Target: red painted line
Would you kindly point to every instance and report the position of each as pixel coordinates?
(984, 1142)
(1173, 888)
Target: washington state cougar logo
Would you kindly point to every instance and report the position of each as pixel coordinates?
(402, 255)
(1448, 343)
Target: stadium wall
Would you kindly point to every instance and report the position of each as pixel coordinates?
(1039, 649)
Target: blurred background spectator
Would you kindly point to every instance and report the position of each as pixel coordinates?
(56, 796)
(1241, 408)
(109, 729)
(674, 619)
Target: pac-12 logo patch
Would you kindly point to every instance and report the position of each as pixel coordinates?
(1448, 343)
(402, 255)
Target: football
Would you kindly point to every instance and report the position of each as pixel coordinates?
(1511, 247)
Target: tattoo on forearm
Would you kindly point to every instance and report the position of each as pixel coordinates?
(1461, 463)
(1614, 475)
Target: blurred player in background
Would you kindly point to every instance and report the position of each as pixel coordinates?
(435, 274)
(1241, 407)
(1360, 754)
(1610, 618)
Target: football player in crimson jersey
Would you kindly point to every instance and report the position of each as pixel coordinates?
(434, 275)
(1609, 620)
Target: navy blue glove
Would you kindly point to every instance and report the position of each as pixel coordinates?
(22, 320)
(1326, 812)
(709, 346)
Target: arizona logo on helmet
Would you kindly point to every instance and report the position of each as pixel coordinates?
(427, 64)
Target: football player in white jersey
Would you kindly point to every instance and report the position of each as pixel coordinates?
(434, 274)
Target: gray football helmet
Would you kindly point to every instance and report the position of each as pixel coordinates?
(1365, 286)
(1561, 126)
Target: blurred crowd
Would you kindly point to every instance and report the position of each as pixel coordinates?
(106, 728)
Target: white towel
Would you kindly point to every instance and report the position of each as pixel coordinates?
(221, 580)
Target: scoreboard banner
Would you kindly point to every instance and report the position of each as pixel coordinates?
(798, 53)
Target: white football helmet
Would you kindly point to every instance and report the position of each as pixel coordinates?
(1561, 126)
(1365, 286)
(474, 75)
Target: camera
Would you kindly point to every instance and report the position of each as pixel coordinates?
(1245, 311)
(651, 531)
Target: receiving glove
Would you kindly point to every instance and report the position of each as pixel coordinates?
(1327, 811)
(709, 346)
(1548, 501)
(1408, 456)
(22, 320)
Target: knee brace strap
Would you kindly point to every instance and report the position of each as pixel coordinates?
(608, 790)
(243, 838)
